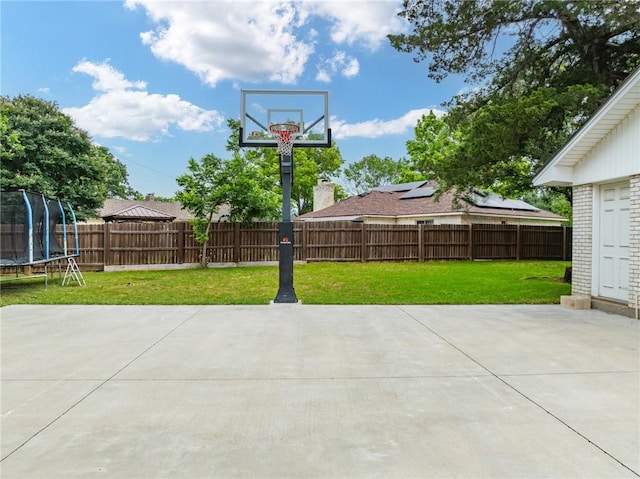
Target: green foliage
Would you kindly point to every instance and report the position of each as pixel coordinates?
(539, 69)
(43, 151)
(164, 199)
(435, 150)
(249, 193)
(373, 171)
(310, 164)
(450, 155)
(561, 206)
(339, 193)
(248, 183)
(114, 174)
(213, 182)
(544, 41)
(200, 194)
(556, 200)
(509, 139)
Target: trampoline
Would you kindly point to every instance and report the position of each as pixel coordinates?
(34, 230)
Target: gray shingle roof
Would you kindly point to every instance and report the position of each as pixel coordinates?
(420, 201)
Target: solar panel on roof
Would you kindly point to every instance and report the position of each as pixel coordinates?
(425, 192)
(400, 187)
(491, 200)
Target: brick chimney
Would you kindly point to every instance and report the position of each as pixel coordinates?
(323, 194)
(149, 197)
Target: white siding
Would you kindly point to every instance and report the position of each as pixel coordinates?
(616, 156)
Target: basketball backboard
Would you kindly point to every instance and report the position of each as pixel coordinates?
(308, 109)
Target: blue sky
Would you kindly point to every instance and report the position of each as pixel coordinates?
(155, 81)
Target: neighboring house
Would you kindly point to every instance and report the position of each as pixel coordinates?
(601, 161)
(415, 203)
(147, 210)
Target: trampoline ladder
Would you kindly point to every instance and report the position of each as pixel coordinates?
(73, 273)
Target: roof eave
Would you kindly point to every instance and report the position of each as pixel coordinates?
(555, 175)
(575, 149)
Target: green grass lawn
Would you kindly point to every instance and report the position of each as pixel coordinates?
(480, 282)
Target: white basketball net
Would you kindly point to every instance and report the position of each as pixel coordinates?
(285, 134)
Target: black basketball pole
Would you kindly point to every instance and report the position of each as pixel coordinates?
(286, 293)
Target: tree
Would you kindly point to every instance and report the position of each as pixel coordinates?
(114, 173)
(43, 151)
(373, 171)
(551, 199)
(539, 69)
(310, 164)
(250, 193)
(594, 42)
(510, 139)
(435, 150)
(213, 182)
(201, 195)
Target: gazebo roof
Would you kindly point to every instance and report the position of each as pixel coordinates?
(139, 212)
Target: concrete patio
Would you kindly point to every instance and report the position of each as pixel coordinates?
(306, 391)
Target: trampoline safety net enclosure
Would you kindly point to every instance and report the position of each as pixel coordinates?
(34, 229)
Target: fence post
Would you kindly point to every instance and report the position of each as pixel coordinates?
(180, 243)
(106, 238)
(236, 243)
(564, 243)
(420, 243)
(471, 241)
(518, 239)
(303, 242)
(363, 243)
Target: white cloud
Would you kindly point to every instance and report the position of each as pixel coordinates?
(221, 40)
(125, 109)
(361, 21)
(260, 40)
(105, 77)
(341, 130)
(346, 65)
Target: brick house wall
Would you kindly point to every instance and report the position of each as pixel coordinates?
(582, 240)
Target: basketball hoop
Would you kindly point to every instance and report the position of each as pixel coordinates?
(285, 134)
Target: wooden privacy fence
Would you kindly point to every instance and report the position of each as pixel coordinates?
(128, 244)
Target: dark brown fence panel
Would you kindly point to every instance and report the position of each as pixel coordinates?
(173, 243)
(334, 241)
(300, 245)
(259, 242)
(391, 242)
(542, 242)
(221, 245)
(91, 244)
(445, 242)
(192, 249)
(495, 241)
(12, 237)
(142, 243)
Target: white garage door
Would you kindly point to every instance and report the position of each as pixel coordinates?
(614, 241)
